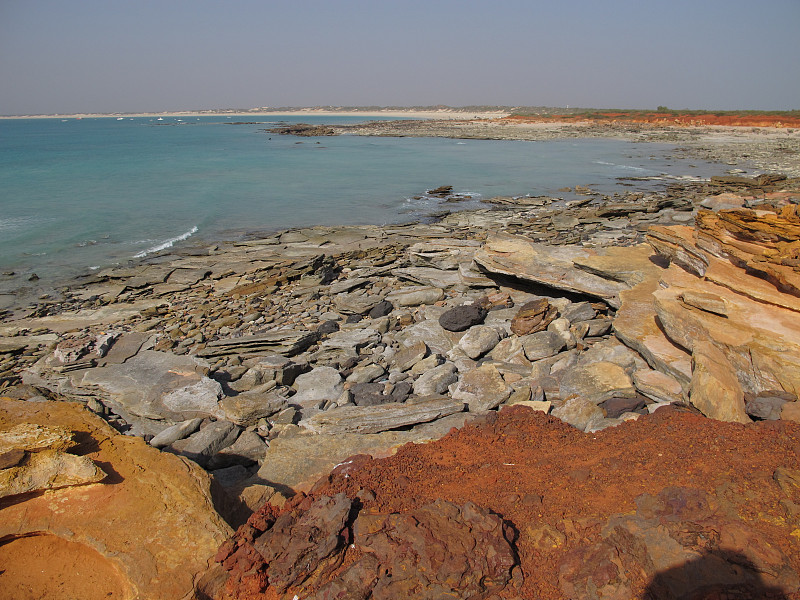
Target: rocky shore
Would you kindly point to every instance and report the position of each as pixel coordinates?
(613, 381)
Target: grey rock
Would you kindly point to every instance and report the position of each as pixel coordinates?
(201, 446)
(482, 389)
(765, 408)
(248, 449)
(479, 340)
(431, 333)
(356, 303)
(436, 278)
(230, 475)
(597, 382)
(374, 419)
(436, 381)
(366, 373)
(156, 385)
(285, 342)
(175, 432)
(352, 340)
(347, 285)
(416, 296)
(579, 311)
(317, 386)
(369, 394)
(381, 310)
(247, 408)
(542, 344)
(579, 413)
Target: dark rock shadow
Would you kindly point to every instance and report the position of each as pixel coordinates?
(716, 575)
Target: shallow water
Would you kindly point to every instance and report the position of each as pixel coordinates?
(89, 193)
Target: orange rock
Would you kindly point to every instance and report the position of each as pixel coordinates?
(150, 526)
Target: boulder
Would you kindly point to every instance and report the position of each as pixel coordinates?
(482, 389)
(317, 386)
(436, 381)
(479, 340)
(247, 408)
(579, 412)
(542, 344)
(597, 382)
(175, 432)
(204, 444)
(461, 318)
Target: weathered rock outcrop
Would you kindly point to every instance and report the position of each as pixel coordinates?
(654, 509)
(147, 524)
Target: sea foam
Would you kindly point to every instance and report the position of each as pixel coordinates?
(166, 243)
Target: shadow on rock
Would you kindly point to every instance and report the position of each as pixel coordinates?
(712, 576)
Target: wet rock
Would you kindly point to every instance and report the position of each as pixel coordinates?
(461, 318)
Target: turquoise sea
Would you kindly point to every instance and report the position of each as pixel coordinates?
(77, 195)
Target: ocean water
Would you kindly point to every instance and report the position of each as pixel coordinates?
(77, 195)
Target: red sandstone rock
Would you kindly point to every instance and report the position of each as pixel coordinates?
(672, 505)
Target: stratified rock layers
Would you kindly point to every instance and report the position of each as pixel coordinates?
(149, 524)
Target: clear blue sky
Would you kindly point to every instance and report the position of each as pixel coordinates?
(142, 55)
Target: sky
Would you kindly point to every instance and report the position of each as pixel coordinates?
(82, 56)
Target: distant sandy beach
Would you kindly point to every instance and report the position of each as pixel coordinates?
(314, 112)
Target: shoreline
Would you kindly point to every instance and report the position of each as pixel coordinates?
(736, 149)
(447, 114)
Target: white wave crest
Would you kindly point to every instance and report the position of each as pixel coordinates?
(166, 244)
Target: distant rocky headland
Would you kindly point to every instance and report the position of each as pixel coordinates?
(592, 397)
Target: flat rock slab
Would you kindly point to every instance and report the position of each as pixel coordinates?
(158, 385)
(552, 266)
(73, 321)
(297, 461)
(283, 342)
(383, 417)
(164, 524)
